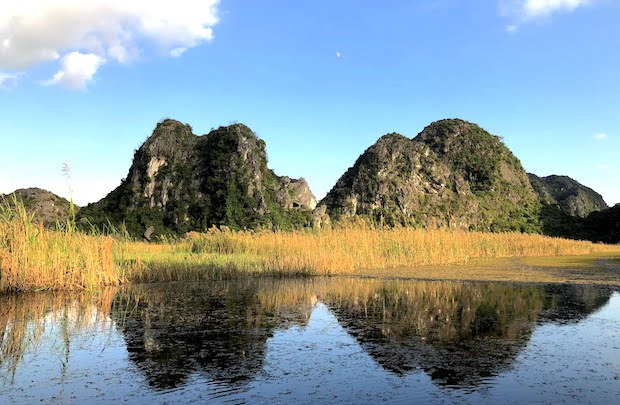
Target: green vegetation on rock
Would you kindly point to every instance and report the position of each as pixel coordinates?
(571, 197)
(452, 174)
(598, 226)
(180, 182)
(46, 207)
(572, 210)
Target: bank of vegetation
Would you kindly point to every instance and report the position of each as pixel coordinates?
(34, 257)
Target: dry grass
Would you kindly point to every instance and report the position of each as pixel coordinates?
(354, 249)
(33, 257)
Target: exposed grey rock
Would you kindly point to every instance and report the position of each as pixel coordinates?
(295, 194)
(148, 233)
(320, 218)
(453, 174)
(572, 197)
(46, 207)
(181, 182)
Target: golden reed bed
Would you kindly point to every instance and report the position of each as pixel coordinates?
(33, 257)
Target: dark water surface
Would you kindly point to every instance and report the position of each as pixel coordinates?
(321, 341)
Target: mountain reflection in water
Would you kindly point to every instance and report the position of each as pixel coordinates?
(460, 334)
(219, 331)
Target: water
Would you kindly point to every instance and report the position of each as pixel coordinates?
(313, 341)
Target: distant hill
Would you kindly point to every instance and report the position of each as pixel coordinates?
(453, 174)
(603, 226)
(598, 226)
(572, 210)
(572, 197)
(47, 207)
(180, 182)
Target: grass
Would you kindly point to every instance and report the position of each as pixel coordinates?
(33, 257)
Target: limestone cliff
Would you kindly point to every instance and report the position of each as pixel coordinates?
(572, 197)
(452, 174)
(180, 182)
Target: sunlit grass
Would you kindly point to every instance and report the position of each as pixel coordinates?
(33, 257)
(353, 249)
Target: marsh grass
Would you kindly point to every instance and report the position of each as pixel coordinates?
(33, 257)
(346, 250)
(355, 248)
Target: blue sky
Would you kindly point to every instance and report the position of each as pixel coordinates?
(85, 83)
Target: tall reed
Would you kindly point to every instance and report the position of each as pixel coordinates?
(33, 257)
(362, 246)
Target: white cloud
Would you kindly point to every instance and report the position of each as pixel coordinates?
(600, 136)
(543, 8)
(41, 31)
(523, 11)
(602, 166)
(338, 55)
(177, 52)
(77, 70)
(7, 80)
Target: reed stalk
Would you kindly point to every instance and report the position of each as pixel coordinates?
(33, 257)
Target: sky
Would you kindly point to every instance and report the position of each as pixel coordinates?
(84, 83)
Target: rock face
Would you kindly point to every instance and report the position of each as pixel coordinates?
(295, 194)
(47, 207)
(569, 195)
(320, 218)
(180, 182)
(452, 174)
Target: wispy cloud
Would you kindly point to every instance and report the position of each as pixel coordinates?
(543, 8)
(600, 136)
(602, 166)
(512, 28)
(83, 35)
(338, 55)
(8, 80)
(523, 11)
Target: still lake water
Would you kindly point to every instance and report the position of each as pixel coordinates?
(338, 340)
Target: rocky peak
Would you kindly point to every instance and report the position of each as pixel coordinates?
(477, 154)
(572, 197)
(47, 207)
(453, 174)
(180, 182)
(296, 194)
(169, 145)
(442, 133)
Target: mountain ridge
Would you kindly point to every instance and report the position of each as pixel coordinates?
(450, 174)
(180, 182)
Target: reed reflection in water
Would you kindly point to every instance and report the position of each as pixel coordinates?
(166, 338)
